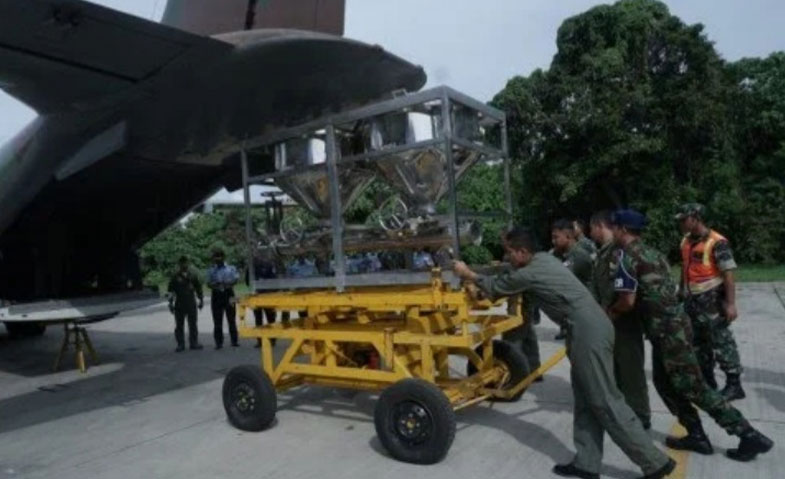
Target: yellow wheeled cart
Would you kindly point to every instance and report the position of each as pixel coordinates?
(393, 339)
(390, 327)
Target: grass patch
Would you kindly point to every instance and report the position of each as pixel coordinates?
(749, 273)
(760, 273)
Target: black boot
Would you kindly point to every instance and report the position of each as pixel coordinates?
(663, 471)
(695, 440)
(708, 377)
(562, 334)
(752, 443)
(569, 470)
(732, 390)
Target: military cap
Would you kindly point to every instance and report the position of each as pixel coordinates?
(690, 209)
(632, 219)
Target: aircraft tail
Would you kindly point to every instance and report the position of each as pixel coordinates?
(211, 17)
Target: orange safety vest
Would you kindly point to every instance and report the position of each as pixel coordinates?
(699, 271)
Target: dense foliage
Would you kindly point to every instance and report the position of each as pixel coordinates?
(637, 109)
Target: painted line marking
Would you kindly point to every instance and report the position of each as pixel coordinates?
(681, 457)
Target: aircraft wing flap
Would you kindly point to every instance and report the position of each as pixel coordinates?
(93, 45)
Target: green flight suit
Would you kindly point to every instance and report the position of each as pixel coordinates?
(588, 246)
(578, 261)
(628, 351)
(524, 336)
(599, 405)
(185, 287)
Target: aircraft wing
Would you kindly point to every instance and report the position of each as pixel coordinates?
(86, 309)
(66, 53)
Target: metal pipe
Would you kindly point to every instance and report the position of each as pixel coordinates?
(336, 220)
(507, 175)
(453, 193)
(248, 226)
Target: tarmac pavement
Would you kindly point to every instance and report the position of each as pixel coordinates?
(148, 412)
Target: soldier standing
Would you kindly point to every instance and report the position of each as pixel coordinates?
(628, 351)
(573, 256)
(221, 278)
(589, 246)
(599, 405)
(183, 287)
(708, 285)
(643, 279)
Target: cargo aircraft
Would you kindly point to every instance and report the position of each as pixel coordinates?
(138, 122)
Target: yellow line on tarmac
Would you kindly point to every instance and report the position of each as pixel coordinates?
(681, 457)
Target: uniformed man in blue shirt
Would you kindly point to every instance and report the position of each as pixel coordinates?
(221, 278)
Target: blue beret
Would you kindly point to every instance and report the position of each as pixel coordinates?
(629, 219)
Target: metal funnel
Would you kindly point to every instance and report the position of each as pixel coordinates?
(307, 184)
(420, 174)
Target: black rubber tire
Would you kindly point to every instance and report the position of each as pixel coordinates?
(415, 397)
(37, 329)
(24, 330)
(249, 398)
(515, 361)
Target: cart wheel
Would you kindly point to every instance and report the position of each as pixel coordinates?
(249, 398)
(415, 421)
(512, 360)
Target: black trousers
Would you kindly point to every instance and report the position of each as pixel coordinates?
(260, 314)
(180, 316)
(222, 305)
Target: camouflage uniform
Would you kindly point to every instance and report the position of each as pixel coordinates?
(713, 337)
(628, 350)
(677, 373)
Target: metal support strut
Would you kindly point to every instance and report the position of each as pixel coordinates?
(77, 336)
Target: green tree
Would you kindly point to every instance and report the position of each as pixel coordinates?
(758, 109)
(195, 238)
(632, 112)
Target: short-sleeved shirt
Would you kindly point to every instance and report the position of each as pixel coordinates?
(222, 277)
(645, 271)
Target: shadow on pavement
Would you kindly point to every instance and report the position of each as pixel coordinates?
(134, 367)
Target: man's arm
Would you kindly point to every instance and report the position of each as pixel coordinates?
(501, 285)
(731, 313)
(723, 258)
(683, 291)
(234, 276)
(198, 289)
(624, 303)
(464, 272)
(211, 280)
(170, 290)
(625, 283)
